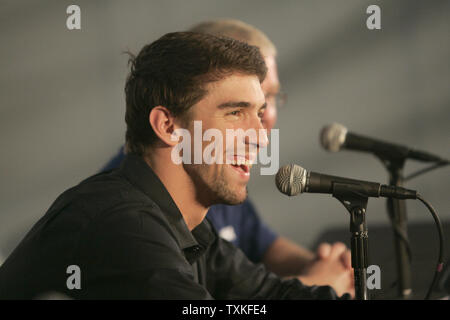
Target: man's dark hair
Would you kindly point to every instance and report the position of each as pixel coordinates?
(173, 71)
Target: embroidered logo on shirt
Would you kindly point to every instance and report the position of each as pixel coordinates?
(227, 233)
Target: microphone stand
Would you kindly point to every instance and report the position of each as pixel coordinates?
(355, 202)
(397, 213)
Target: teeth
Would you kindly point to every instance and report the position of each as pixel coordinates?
(245, 162)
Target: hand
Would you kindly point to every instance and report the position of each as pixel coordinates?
(332, 267)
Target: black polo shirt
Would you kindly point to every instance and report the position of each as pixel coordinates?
(129, 240)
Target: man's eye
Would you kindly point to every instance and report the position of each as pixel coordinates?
(234, 113)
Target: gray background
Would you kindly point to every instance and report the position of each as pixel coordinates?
(62, 102)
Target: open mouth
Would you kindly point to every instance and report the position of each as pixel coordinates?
(241, 165)
(242, 168)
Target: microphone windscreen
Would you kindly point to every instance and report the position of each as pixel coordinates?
(291, 179)
(332, 137)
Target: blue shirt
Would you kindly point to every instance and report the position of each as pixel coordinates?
(238, 224)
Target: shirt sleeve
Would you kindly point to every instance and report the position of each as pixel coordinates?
(255, 236)
(232, 276)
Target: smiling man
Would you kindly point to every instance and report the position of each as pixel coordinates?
(239, 104)
(232, 103)
(242, 224)
(139, 231)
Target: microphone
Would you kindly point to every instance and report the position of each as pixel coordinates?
(335, 137)
(292, 180)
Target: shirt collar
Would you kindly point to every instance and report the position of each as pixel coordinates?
(139, 174)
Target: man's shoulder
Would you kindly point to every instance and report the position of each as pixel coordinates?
(104, 206)
(104, 196)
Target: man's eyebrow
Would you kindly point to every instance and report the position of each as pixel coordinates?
(234, 104)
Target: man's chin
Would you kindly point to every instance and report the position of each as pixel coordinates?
(234, 202)
(234, 198)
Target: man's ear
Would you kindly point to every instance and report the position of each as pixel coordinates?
(163, 124)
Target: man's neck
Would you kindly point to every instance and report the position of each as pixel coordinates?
(179, 185)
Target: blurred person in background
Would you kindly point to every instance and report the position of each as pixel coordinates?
(241, 224)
